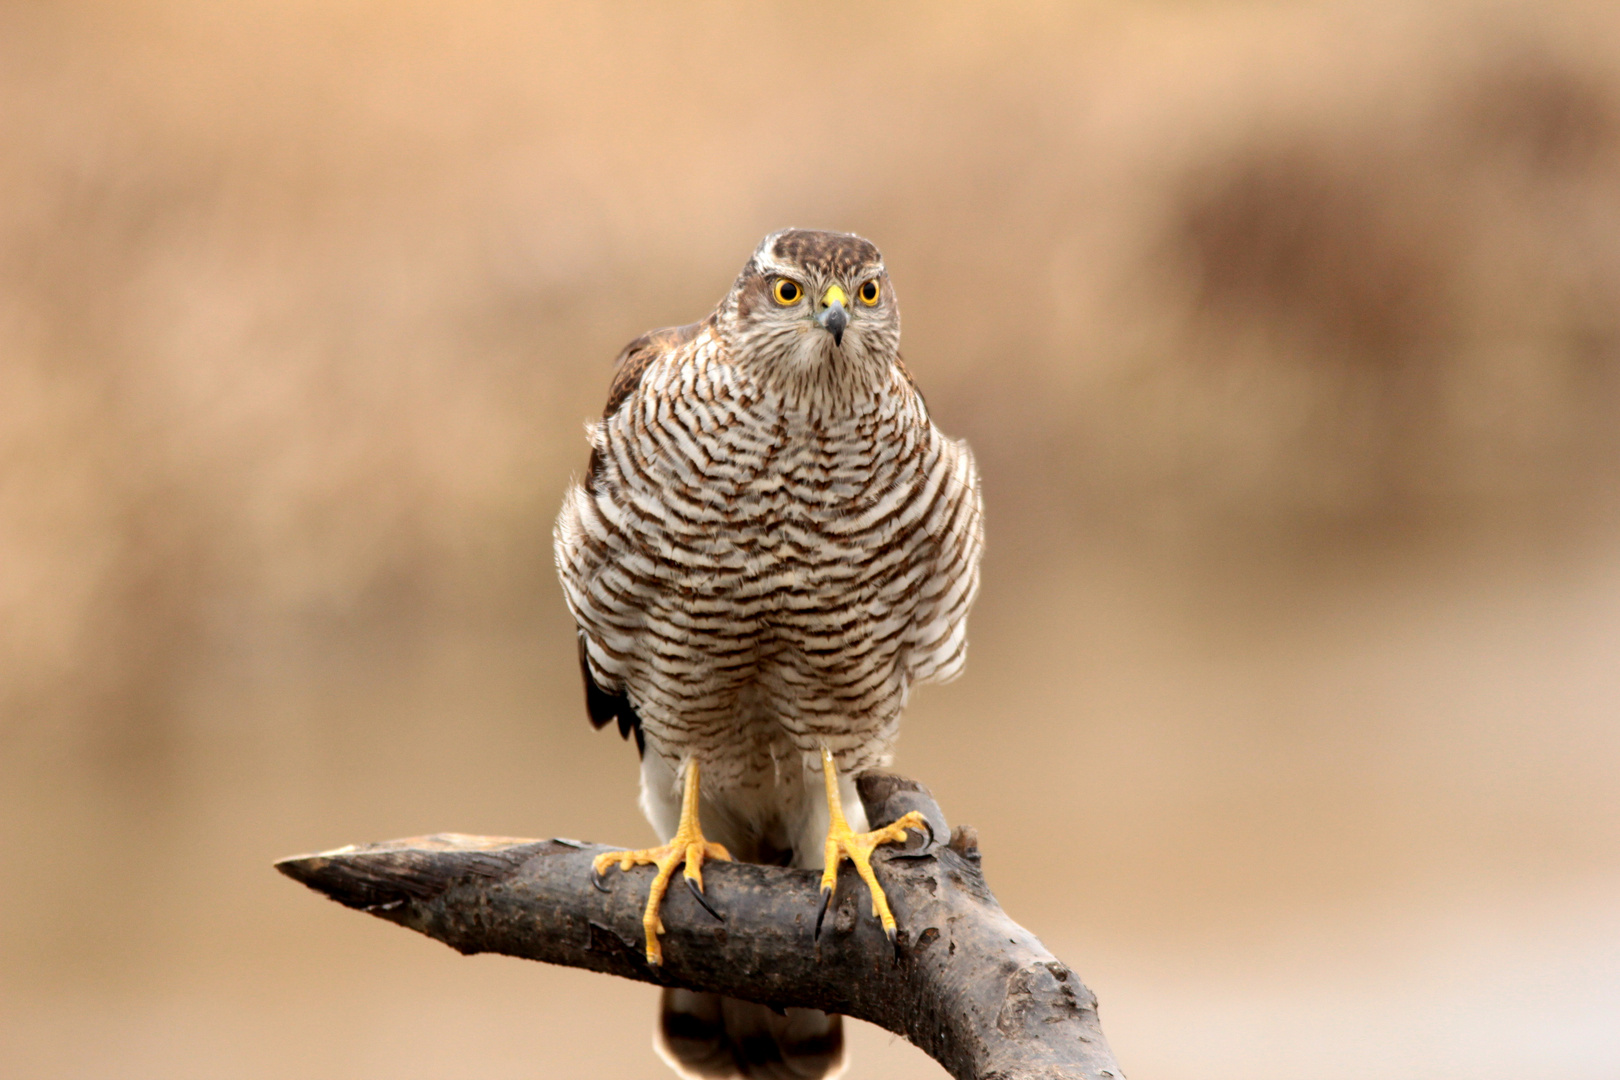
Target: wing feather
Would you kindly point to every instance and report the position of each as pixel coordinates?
(628, 370)
(637, 356)
(604, 707)
(602, 704)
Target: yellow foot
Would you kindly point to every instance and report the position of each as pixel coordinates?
(687, 846)
(842, 841)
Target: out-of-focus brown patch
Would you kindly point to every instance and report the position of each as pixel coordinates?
(1543, 110)
(1288, 237)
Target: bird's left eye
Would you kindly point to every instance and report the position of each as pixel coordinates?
(868, 292)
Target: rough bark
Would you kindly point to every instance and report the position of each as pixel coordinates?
(971, 987)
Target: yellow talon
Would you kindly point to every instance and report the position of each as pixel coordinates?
(842, 841)
(686, 846)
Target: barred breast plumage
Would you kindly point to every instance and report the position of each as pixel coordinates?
(746, 568)
(773, 544)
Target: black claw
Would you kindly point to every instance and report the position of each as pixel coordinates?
(926, 849)
(894, 939)
(698, 893)
(929, 843)
(821, 909)
(598, 880)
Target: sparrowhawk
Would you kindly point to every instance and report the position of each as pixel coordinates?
(771, 545)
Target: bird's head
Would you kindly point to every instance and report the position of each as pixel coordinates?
(808, 301)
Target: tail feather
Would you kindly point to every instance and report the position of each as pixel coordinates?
(709, 1036)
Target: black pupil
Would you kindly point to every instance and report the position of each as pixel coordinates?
(869, 291)
(788, 290)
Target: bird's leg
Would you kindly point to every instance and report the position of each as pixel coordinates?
(842, 840)
(688, 846)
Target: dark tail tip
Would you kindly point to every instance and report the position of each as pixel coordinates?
(709, 1036)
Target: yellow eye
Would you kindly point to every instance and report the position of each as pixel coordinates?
(868, 292)
(787, 291)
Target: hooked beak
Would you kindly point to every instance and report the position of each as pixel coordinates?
(834, 318)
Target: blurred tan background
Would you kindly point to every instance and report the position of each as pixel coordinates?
(1288, 339)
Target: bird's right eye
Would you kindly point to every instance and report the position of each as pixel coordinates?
(787, 291)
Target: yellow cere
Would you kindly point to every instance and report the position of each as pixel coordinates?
(835, 295)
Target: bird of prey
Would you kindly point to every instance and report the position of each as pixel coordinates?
(771, 545)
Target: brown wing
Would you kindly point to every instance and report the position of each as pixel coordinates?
(605, 705)
(628, 370)
(636, 356)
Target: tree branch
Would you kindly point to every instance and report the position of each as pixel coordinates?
(971, 987)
